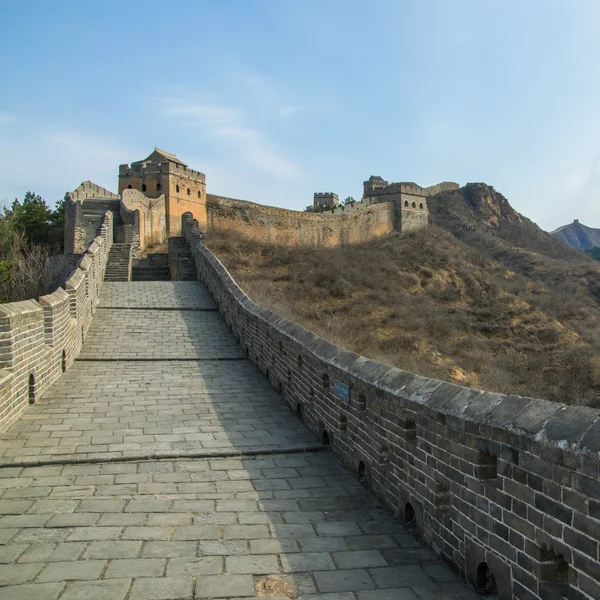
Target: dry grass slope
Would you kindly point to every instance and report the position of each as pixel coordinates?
(483, 298)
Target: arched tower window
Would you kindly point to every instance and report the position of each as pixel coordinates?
(177, 188)
(143, 187)
(158, 188)
(421, 205)
(406, 203)
(188, 191)
(199, 194)
(129, 187)
(414, 205)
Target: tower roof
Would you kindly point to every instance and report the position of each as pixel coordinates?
(159, 154)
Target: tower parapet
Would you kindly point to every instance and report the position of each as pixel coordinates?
(325, 200)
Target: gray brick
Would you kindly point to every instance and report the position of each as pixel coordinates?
(118, 549)
(115, 589)
(33, 591)
(225, 586)
(74, 570)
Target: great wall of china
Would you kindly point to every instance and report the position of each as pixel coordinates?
(134, 398)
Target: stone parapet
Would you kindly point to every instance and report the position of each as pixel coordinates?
(505, 489)
(40, 340)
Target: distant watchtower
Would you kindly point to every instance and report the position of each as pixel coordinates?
(325, 200)
(163, 173)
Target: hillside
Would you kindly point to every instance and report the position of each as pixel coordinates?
(578, 236)
(483, 298)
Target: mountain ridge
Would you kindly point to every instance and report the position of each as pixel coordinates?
(579, 236)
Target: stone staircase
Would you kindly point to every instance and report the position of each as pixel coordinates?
(118, 266)
(155, 267)
(182, 265)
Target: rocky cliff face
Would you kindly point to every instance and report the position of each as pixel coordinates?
(577, 235)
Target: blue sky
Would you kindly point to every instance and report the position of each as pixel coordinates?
(275, 99)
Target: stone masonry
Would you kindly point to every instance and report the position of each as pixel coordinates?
(163, 465)
(505, 489)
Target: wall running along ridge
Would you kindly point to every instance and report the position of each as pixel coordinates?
(494, 484)
(40, 340)
(343, 225)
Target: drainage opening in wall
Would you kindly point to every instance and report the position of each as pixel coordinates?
(361, 471)
(410, 517)
(31, 389)
(280, 389)
(325, 438)
(299, 410)
(485, 583)
(325, 381)
(64, 361)
(267, 374)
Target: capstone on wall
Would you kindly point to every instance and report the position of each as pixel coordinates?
(39, 340)
(343, 225)
(499, 486)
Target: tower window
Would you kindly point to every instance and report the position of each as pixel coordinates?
(177, 188)
(143, 187)
(199, 194)
(129, 187)
(158, 188)
(421, 205)
(188, 191)
(406, 203)
(414, 205)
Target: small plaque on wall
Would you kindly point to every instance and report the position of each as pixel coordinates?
(341, 391)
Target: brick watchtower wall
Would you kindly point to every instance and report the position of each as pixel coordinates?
(184, 188)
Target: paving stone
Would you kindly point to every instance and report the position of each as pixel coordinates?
(245, 532)
(391, 594)
(112, 549)
(403, 576)
(147, 506)
(323, 544)
(225, 586)
(340, 596)
(73, 570)
(94, 533)
(73, 520)
(306, 561)
(146, 533)
(226, 548)
(343, 581)
(113, 589)
(359, 559)
(64, 551)
(266, 563)
(10, 553)
(19, 573)
(33, 591)
(170, 549)
(205, 565)
(197, 532)
(135, 567)
(337, 529)
(273, 546)
(121, 519)
(162, 588)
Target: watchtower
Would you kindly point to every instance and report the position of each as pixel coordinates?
(325, 200)
(162, 173)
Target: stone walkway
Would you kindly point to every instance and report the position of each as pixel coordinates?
(89, 512)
